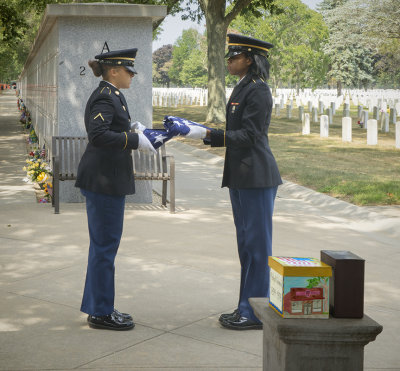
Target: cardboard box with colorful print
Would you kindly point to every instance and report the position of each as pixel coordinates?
(299, 287)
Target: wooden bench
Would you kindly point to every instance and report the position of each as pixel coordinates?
(67, 152)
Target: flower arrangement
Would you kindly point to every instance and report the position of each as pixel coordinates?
(38, 171)
(36, 154)
(25, 117)
(32, 137)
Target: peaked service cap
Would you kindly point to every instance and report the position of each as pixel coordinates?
(238, 44)
(125, 58)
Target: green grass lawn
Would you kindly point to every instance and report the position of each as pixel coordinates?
(355, 172)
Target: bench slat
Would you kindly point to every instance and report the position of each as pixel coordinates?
(67, 152)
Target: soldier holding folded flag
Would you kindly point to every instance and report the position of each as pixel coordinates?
(250, 171)
(105, 177)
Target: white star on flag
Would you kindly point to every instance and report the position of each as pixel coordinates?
(160, 138)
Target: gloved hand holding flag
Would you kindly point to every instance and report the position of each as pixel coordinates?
(174, 126)
(187, 128)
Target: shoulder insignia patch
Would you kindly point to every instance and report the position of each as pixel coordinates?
(99, 114)
(106, 87)
(260, 80)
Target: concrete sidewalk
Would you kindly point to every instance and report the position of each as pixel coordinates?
(175, 272)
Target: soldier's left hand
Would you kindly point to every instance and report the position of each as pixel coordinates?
(138, 126)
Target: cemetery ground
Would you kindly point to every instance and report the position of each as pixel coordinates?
(352, 171)
(174, 272)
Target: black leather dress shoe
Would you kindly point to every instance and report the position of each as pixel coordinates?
(241, 323)
(110, 322)
(235, 314)
(125, 316)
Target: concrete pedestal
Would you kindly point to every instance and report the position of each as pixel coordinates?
(313, 344)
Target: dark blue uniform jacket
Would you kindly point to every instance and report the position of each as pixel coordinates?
(106, 166)
(249, 162)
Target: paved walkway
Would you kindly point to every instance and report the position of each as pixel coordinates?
(175, 273)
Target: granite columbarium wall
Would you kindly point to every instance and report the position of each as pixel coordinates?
(56, 80)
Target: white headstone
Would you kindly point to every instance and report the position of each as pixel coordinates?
(314, 114)
(306, 124)
(372, 132)
(324, 126)
(346, 129)
(398, 134)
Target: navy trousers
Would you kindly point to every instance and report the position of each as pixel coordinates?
(105, 219)
(252, 213)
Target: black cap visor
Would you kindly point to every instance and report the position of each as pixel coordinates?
(131, 69)
(232, 53)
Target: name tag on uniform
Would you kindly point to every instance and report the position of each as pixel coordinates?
(233, 107)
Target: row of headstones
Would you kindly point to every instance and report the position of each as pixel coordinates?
(384, 117)
(313, 110)
(371, 126)
(382, 98)
(173, 97)
(175, 100)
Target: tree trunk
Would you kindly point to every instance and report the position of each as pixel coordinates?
(216, 37)
(339, 88)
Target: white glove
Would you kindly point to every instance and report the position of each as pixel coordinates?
(196, 132)
(138, 126)
(144, 144)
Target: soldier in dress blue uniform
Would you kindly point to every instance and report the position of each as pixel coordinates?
(250, 171)
(105, 177)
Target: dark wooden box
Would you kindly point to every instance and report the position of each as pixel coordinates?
(347, 283)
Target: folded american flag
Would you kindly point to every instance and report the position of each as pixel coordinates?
(179, 125)
(174, 126)
(158, 137)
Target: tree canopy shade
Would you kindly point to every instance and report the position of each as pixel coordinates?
(371, 36)
(218, 15)
(298, 34)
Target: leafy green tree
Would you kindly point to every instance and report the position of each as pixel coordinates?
(19, 22)
(217, 19)
(194, 72)
(388, 64)
(162, 59)
(298, 34)
(18, 27)
(183, 47)
(375, 27)
(350, 56)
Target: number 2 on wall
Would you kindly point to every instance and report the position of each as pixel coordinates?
(83, 69)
